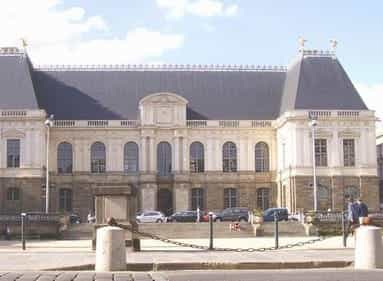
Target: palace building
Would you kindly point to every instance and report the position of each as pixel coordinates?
(185, 136)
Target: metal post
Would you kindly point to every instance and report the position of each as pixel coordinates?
(23, 216)
(47, 174)
(48, 123)
(211, 232)
(276, 230)
(344, 234)
(313, 125)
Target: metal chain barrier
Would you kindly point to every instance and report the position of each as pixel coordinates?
(194, 246)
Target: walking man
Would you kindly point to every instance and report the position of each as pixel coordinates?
(352, 215)
(362, 211)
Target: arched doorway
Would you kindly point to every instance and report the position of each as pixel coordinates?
(165, 201)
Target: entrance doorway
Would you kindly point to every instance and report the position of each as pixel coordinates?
(165, 201)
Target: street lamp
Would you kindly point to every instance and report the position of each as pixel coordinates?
(313, 124)
(48, 124)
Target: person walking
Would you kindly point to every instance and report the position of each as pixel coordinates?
(362, 211)
(352, 215)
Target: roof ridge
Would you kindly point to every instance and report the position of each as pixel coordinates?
(163, 67)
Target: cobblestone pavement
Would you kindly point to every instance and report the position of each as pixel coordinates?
(281, 275)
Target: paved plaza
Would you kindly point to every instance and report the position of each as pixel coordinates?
(45, 255)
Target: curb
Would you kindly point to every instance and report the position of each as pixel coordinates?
(215, 266)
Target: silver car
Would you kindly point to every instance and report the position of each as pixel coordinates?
(150, 216)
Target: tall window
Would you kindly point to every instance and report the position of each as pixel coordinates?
(349, 152)
(351, 192)
(13, 153)
(261, 157)
(64, 158)
(321, 152)
(13, 194)
(65, 198)
(263, 198)
(164, 159)
(197, 198)
(98, 157)
(323, 197)
(229, 157)
(130, 157)
(196, 158)
(230, 198)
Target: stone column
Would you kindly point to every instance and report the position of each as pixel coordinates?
(152, 155)
(209, 157)
(242, 155)
(181, 197)
(143, 154)
(176, 154)
(148, 196)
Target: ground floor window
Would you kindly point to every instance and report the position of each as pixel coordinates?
(323, 197)
(13, 194)
(230, 198)
(197, 198)
(263, 198)
(65, 198)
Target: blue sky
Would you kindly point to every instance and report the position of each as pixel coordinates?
(201, 31)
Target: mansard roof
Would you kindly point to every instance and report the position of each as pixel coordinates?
(314, 81)
(319, 82)
(16, 88)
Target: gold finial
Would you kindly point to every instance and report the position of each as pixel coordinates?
(24, 42)
(301, 42)
(333, 43)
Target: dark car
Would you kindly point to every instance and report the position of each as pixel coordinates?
(233, 214)
(268, 214)
(185, 216)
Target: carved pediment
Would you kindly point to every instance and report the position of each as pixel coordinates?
(163, 98)
(13, 133)
(348, 134)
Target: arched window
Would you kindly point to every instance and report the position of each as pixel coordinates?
(13, 194)
(98, 157)
(130, 157)
(323, 197)
(65, 199)
(230, 198)
(229, 157)
(64, 158)
(261, 157)
(197, 164)
(263, 198)
(164, 159)
(351, 192)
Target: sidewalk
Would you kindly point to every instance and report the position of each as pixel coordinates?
(77, 254)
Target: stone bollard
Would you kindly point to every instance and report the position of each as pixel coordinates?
(110, 249)
(368, 248)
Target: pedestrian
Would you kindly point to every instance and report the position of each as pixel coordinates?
(352, 215)
(7, 232)
(362, 212)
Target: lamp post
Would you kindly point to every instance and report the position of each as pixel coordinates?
(48, 124)
(313, 124)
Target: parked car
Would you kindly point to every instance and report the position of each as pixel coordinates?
(150, 216)
(268, 214)
(233, 214)
(186, 216)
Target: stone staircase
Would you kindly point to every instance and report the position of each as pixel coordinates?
(82, 231)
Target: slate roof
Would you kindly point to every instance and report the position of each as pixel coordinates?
(312, 82)
(319, 83)
(16, 88)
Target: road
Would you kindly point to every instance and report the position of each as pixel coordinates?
(255, 275)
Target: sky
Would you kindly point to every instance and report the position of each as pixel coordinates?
(200, 32)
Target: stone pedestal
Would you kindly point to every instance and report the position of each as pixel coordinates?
(110, 249)
(368, 248)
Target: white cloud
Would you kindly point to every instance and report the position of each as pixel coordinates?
(372, 94)
(177, 9)
(62, 36)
